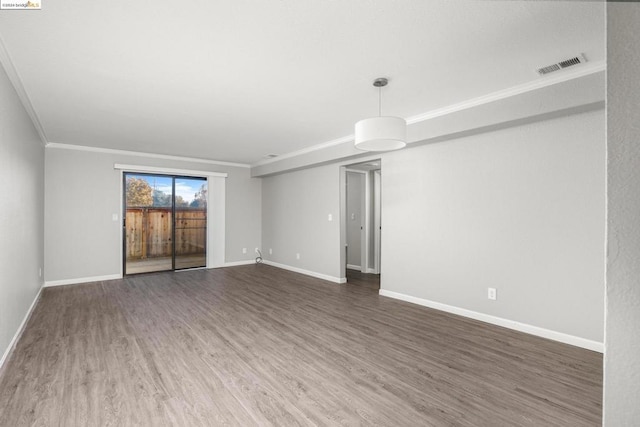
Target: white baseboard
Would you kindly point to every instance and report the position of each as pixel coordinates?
(494, 320)
(20, 330)
(235, 263)
(353, 267)
(306, 272)
(81, 280)
(372, 271)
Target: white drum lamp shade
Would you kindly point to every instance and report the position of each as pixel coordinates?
(381, 134)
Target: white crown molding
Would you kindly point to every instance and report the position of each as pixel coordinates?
(141, 154)
(16, 81)
(533, 85)
(305, 150)
(173, 171)
(546, 81)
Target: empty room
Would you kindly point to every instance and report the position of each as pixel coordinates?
(297, 212)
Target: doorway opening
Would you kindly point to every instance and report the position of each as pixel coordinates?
(361, 223)
(165, 222)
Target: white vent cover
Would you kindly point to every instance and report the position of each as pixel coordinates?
(580, 59)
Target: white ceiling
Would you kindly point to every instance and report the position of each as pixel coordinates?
(235, 80)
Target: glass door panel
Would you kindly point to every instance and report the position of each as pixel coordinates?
(148, 223)
(165, 223)
(190, 222)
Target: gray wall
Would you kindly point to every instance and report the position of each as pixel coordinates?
(295, 209)
(355, 197)
(21, 215)
(622, 344)
(521, 210)
(83, 190)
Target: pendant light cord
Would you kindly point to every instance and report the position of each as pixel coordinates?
(379, 83)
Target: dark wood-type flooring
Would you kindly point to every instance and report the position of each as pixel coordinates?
(363, 280)
(256, 345)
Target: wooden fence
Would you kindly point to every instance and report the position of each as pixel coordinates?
(149, 233)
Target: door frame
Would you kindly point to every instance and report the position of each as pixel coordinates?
(377, 220)
(342, 179)
(173, 218)
(216, 189)
(365, 218)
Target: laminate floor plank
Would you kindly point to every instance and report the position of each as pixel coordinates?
(256, 345)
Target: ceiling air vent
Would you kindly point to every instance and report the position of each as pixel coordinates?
(580, 59)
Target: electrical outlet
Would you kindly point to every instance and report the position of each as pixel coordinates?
(492, 294)
(270, 251)
(244, 250)
(330, 217)
(297, 256)
(40, 272)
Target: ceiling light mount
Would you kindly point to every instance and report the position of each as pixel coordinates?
(381, 82)
(382, 133)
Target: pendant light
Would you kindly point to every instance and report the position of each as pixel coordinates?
(382, 133)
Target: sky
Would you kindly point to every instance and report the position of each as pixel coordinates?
(186, 188)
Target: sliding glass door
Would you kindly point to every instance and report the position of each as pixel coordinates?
(165, 222)
(190, 225)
